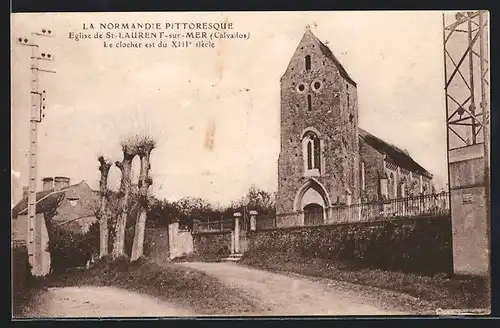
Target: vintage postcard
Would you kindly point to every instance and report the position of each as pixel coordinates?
(196, 164)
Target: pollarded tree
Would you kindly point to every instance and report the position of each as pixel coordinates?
(144, 147)
(104, 168)
(129, 152)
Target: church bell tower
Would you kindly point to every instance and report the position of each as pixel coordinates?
(318, 165)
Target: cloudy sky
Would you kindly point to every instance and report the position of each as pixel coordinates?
(99, 95)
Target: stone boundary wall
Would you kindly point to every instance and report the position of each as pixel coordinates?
(212, 243)
(417, 244)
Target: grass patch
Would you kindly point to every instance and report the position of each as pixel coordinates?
(442, 291)
(185, 287)
(24, 302)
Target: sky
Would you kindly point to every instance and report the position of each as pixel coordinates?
(231, 93)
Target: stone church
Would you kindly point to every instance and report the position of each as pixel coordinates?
(325, 159)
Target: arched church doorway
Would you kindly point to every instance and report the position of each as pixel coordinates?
(312, 202)
(313, 214)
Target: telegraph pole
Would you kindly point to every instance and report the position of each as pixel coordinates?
(37, 113)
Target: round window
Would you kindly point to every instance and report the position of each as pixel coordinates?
(316, 85)
(301, 87)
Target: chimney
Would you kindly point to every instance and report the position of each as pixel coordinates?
(25, 192)
(61, 182)
(48, 183)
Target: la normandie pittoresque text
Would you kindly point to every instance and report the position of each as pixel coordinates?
(158, 34)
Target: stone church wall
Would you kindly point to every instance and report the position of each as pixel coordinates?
(374, 164)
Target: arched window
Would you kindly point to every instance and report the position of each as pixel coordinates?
(402, 188)
(308, 63)
(312, 152)
(309, 155)
(391, 186)
(316, 153)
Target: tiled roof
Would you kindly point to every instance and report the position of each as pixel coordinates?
(394, 154)
(42, 198)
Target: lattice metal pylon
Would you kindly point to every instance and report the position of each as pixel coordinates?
(467, 92)
(465, 38)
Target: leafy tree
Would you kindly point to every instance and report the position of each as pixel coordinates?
(258, 200)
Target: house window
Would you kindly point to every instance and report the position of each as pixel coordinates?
(309, 103)
(308, 63)
(73, 201)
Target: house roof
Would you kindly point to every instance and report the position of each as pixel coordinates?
(43, 198)
(394, 154)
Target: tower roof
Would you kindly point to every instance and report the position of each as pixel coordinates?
(327, 52)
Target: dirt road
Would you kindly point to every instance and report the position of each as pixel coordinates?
(101, 302)
(298, 295)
